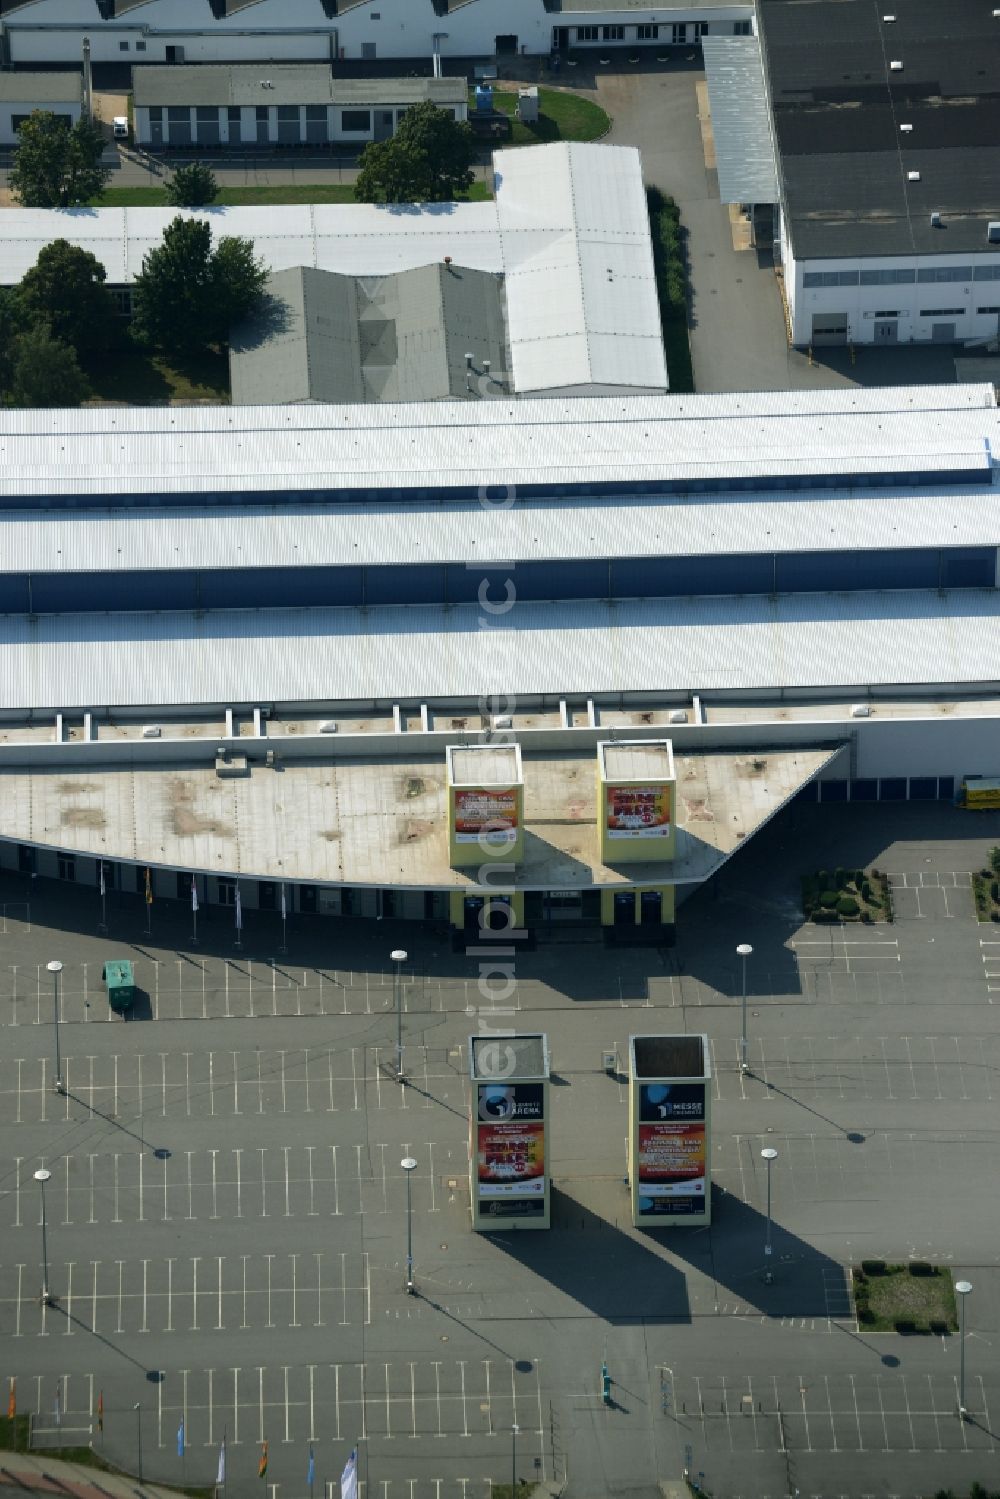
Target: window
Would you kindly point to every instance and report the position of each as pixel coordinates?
(140, 46)
(830, 278)
(986, 273)
(262, 112)
(945, 273)
(897, 277)
(227, 892)
(587, 34)
(123, 46)
(887, 312)
(988, 311)
(742, 28)
(156, 114)
(647, 33)
(67, 866)
(613, 33)
(234, 114)
(680, 33)
(942, 312)
(356, 119)
(700, 30)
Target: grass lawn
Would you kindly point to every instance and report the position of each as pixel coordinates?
(562, 117)
(142, 378)
(896, 1300)
(282, 192)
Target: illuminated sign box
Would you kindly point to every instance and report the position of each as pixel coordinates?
(508, 1125)
(669, 1140)
(636, 800)
(485, 804)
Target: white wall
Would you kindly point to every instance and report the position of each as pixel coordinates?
(272, 30)
(8, 135)
(910, 299)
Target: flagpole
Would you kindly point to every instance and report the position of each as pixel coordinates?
(149, 904)
(239, 919)
(194, 911)
(283, 949)
(104, 912)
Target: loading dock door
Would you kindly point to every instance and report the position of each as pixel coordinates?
(886, 331)
(829, 329)
(942, 333)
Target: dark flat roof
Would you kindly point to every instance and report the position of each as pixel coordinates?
(838, 107)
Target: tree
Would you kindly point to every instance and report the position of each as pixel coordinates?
(44, 371)
(56, 166)
(192, 186)
(14, 321)
(187, 295)
(65, 288)
(428, 160)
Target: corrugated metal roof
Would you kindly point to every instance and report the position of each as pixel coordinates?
(741, 120)
(617, 442)
(420, 653)
(342, 535)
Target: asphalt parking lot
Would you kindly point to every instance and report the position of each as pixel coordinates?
(227, 1212)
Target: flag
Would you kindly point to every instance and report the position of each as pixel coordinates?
(194, 893)
(284, 906)
(12, 1401)
(239, 909)
(349, 1478)
(57, 1411)
(100, 1411)
(262, 1465)
(220, 1476)
(180, 1438)
(149, 889)
(311, 1475)
(102, 876)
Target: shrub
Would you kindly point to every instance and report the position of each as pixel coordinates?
(859, 877)
(995, 859)
(866, 917)
(866, 889)
(823, 879)
(905, 1326)
(865, 1314)
(847, 906)
(995, 915)
(829, 898)
(987, 874)
(876, 874)
(823, 914)
(840, 878)
(995, 889)
(873, 1267)
(921, 1267)
(938, 1328)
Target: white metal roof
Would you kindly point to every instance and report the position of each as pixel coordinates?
(568, 227)
(613, 442)
(420, 653)
(349, 535)
(741, 119)
(581, 289)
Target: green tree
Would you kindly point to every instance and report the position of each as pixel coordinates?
(14, 321)
(44, 372)
(56, 166)
(188, 295)
(192, 186)
(65, 288)
(428, 160)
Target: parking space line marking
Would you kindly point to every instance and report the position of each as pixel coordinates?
(211, 1409)
(260, 1403)
(145, 1317)
(805, 1413)
(215, 1191)
(263, 1184)
(287, 1436)
(121, 1291)
(236, 1405)
(270, 1259)
(194, 1292)
(388, 1412)
(218, 1323)
(364, 1405)
(489, 1401)
(284, 1152)
(69, 1328)
(437, 1391)
(238, 1153)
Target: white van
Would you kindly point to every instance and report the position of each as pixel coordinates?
(119, 127)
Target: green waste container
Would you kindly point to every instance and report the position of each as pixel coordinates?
(119, 980)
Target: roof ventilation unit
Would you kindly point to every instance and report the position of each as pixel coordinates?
(906, 129)
(993, 231)
(151, 731)
(502, 721)
(913, 176)
(935, 220)
(328, 726)
(679, 715)
(895, 66)
(888, 18)
(861, 710)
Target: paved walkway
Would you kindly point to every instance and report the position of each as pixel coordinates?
(24, 1473)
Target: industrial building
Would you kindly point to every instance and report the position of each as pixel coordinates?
(567, 230)
(275, 31)
(869, 134)
(58, 93)
(558, 660)
(251, 107)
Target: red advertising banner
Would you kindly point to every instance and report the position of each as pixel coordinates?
(487, 814)
(638, 811)
(671, 1159)
(511, 1158)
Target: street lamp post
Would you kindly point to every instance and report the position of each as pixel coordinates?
(41, 1177)
(769, 1154)
(963, 1287)
(409, 1165)
(398, 956)
(138, 1416)
(55, 968)
(744, 951)
(513, 1459)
